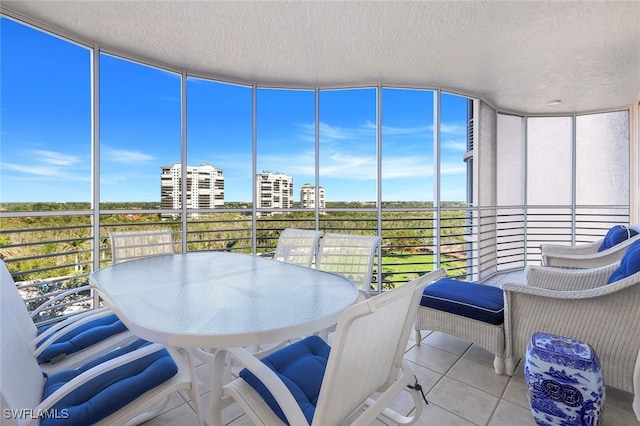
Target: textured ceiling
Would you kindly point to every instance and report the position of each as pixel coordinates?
(518, 56)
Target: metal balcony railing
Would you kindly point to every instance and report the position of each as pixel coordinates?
(49, 253)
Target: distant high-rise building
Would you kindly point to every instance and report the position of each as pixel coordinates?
(274, 190)
(205, 187)
(308, 197)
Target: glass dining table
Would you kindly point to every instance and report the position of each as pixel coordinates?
(218, 300)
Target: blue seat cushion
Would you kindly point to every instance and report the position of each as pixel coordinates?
(629, 264)
(82, 337)
(107, 393)
(478, 301)
(616, 235)
(301, 368)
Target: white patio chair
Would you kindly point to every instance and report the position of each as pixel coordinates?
(366, 359)
(68, 343)
(601, 252)
(297, 246)
(130, 245)
(598, 306)
(126, 386)
(126, 245)
(350, 256)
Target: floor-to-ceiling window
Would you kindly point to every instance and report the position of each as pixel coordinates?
(45, 167)
(285, 161)
(140, 135)
(219, 161)
(140, 130)
(408, 175)
(348, 151)
(453, 193)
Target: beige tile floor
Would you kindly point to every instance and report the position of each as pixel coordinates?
(458, 379)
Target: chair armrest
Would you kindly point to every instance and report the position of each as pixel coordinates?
(606, 317)
(50, 335)
(92, 374)
(592, 260)
(567, 279)
(560, 250)
(544, 292)
(49, 303)
(280, 392)
(587, 293)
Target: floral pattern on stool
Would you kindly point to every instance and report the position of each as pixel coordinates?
(564, 381)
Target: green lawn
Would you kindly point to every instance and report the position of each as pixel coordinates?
(405, 267)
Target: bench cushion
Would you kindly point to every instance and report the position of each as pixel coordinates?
(301, 368)
(82, 337)
(107, 393)
(468, 299)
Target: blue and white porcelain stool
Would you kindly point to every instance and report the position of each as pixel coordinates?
(564, 381)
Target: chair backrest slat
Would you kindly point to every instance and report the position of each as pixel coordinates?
(130, 245)
(297, 246)
(350, 256)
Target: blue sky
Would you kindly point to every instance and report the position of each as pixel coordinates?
(46, 131)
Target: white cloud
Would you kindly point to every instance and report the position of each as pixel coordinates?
(455, 145)
(419, 130)
(330, 134)
(124, 156)
(453, 169)
(46, 171)
(453, 129)
(31, 170)
(349, 152)
(406, 167)
(348, 166)
(55, 158)
(49, 164)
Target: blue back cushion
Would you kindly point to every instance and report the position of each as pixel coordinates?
(616, 235)
(477, 301)
(301, 368)
(629, 264)
(82, 337)
(107, 393)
